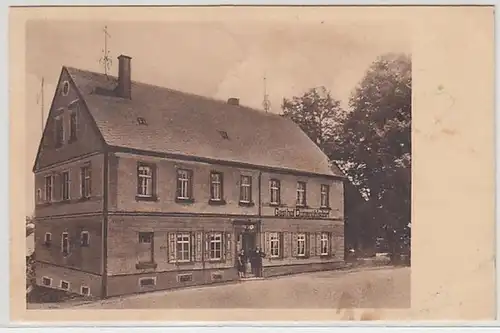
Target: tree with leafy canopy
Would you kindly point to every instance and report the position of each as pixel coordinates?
(371, 142)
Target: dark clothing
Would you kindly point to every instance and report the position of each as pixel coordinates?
(241, 263)
(256, 260)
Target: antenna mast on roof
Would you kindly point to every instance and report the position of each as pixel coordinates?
(266, 103)
(106, 60)
(39, 100)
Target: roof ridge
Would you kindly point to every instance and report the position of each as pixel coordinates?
(211, 99)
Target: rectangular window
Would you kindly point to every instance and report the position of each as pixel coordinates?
(216, 186)
(64, 285)
(185, 277)
(48, 239)
(183, 247)
(215, 246)
(184, 178)
(84, 238)
(86, 181)
(275, 244)
(275, 191)
(144, 180)
(65, 185)
(147, 281)
(84, 290)
(146, 254)
(46, 281)
(49, 190)
(59, 131)
(324, 244)
(301, 245)
(65, 243)
(39, 195)
(325, 196)
(301, 194)
(72, 126)
(246, 189)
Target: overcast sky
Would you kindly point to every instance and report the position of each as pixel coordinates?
(219, 59)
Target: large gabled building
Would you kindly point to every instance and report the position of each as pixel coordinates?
(141, 188)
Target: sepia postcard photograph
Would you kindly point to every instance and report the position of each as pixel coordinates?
(252, 163)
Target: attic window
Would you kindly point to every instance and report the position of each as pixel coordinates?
(141, 121)
(224, 135)
(65, 88)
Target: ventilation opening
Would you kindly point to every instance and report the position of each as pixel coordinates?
(185, 278)
(224, 135)
(141, 121)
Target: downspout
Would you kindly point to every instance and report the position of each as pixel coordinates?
(104, 231)
(260, 194)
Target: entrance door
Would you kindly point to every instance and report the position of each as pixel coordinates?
(248, 242)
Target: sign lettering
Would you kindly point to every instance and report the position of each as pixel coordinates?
(298, 213)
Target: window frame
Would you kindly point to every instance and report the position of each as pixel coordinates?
(273, 240)
(144, 278)
(82, 244)
(44, 278)
(325, 193)
(59, 131)
(211, 241)
(149, 179)
(301, 194)
(73, 124)
(51, 192)
(47, 242)
(276, 188)
(61, 285)
(81, 290)
(65, 186)
(184, 185)
(183, 242)
(66, 254)
(304, 241)
(85, 181)
(248, 187)
(65, 88)
(219, 184)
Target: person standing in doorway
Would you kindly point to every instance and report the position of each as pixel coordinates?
(257, 261)
(241, 264)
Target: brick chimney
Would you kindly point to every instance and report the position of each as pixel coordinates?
(233, 101)
(124, 88)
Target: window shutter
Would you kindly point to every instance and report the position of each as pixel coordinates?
(286, 244)
(310, 243)
(199, 246)
(138, 180)
(206, 253)
(178, 192)
(221, 175)
(190, 185)
(318, 243)
(192, 242)
(57, 187)
(171, 247)
(281, 245)
(228, 247)
(154, 180)
(267, 243)
(330, 247)
(294, 244)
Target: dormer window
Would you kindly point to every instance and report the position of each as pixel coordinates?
(224, 135)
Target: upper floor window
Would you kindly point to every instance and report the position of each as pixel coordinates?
(145, 180)
(65, 88)
(49, 190)
(65, 249)
(325, 196)
(246, 189)
(184, 184)
(72, 125)
(84, 239)
(215, 246)
(59, 131)
(86, 181)
(216, 186)
(65, 185)
(301, 194)
(47, 239)
(275, 191)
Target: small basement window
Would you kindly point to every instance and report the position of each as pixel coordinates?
(147, 281)
(216, 276)
(185, 278)
(84, 290)
(46, 281)
(64, 285)
(141, 121)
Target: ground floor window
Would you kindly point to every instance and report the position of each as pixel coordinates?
(301, 245)
(324, 244)
(215, 246)
(64, 285)
(183, 247)
(274, 245)
(84, 290)
(46, 281)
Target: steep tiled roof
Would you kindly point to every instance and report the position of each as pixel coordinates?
(187, 124)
